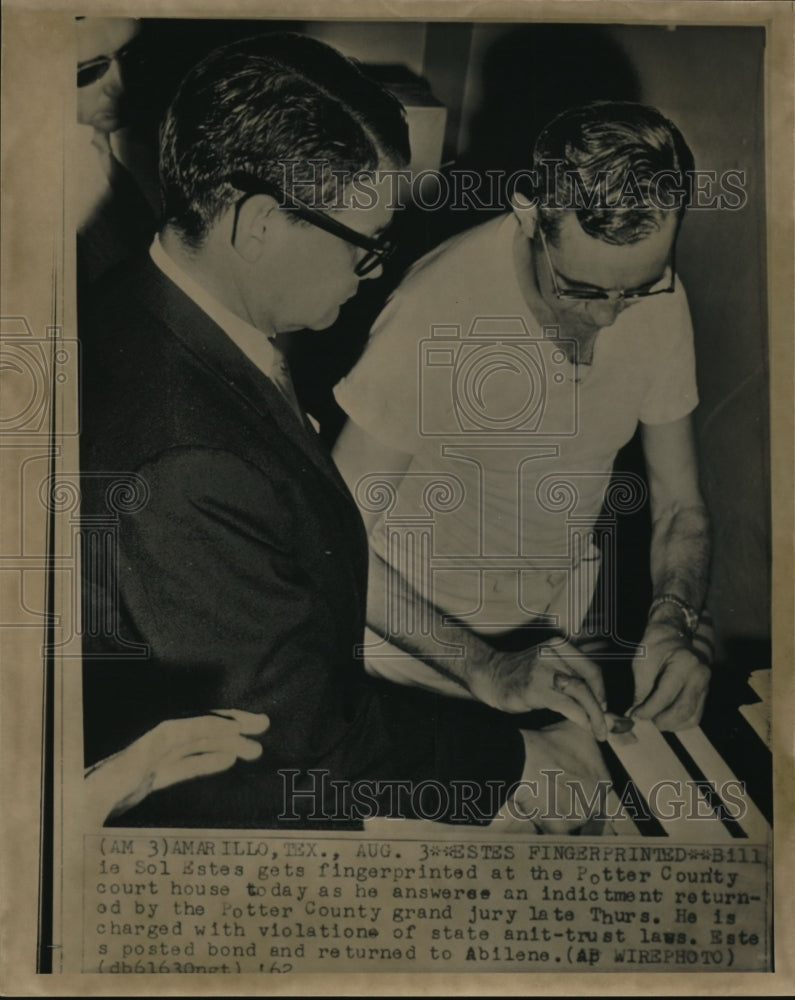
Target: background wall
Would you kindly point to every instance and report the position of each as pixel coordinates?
(710, 81)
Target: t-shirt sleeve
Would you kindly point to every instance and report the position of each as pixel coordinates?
(380, 394)
(672, 392)
(386, 393)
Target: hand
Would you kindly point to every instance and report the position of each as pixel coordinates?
(554, 676)
(671, 682)
(174, 751)
(544, 801)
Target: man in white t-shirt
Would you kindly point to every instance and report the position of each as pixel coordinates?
(485, 416)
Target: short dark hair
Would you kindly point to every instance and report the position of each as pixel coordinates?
(622, 167)
(255, 104)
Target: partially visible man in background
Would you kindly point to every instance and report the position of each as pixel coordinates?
(114, 219)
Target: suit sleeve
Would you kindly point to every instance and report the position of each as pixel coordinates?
(238, 613)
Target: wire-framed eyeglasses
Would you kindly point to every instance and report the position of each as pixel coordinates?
(379, 248)
(665, 285)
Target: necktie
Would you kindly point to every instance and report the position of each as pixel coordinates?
(280, 374)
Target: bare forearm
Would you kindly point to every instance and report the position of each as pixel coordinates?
(509, 681)
(680, 550)
(397, 612)
(671, 680)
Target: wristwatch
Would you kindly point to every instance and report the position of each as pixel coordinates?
(690, 615)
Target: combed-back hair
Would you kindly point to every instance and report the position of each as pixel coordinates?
(622, 167)
(282, 107)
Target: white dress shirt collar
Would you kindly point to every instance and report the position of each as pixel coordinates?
(251, 341)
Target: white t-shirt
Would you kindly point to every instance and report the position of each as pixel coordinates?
(459, 374)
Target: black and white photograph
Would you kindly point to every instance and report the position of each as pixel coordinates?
(399, 430)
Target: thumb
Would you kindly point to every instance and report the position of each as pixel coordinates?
(644, 677)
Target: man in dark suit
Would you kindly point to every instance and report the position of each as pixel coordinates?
(225, 563)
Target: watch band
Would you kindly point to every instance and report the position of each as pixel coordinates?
(689, 613)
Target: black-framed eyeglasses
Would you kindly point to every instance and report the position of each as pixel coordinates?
(379, 248)
(94, 69)
(665, 285)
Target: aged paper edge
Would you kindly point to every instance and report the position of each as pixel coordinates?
(35, 40)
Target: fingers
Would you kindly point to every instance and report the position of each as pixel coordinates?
(564, 782)
(685, 713)
(515, 818)
(618, 724)
(248, 749)
(644, 676)
(530, 811)
(249, 723)
(576, 701)
(575, 749)
(584, 666)
(209, 743)
(174, 751)
(179, 749)
(678, 699)
(197, 766)
(660, 698)
(176, 733)
(203, 757)
(569, 707)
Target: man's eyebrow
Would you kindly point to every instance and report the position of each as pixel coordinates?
(578, 284)
(572, 282)
(104, 58)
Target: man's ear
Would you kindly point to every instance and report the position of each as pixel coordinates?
(254, 218)
(526, 213)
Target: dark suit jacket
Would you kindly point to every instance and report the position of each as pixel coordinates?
(227, 568)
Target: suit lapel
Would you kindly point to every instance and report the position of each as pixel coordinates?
(218, 355)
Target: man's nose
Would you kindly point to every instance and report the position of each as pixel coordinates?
(604, 312)
(112, 83)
